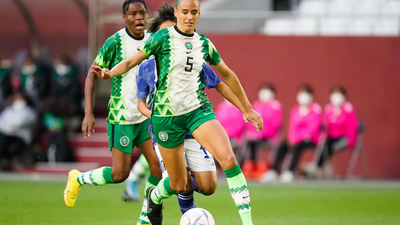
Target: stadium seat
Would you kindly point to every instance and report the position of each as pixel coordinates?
(341, 7)
(306, 26)
(279, 26)
(334, 27)
(391, 8)
(312, 7)
(387, 27)
(356, 151)
(369, 7)
(360, 27)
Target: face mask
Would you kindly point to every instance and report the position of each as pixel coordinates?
(265, 95)
(61, 69)
(337, 99)
(304, 98)
(19, 105)
(29, 70)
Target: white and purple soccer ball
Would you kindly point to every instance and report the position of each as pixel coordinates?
(197, 216)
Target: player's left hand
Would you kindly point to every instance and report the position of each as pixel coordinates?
(103, 73)
(255, 118)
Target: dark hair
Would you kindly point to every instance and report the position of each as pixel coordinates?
(165, 13)
(268, 85)
(339, 88)
(126, 4)
(307, 88)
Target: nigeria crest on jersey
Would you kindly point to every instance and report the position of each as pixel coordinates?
(189, 45)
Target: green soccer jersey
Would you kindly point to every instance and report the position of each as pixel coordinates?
(179, 59)
(122, 107)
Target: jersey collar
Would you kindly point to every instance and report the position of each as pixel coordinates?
(181, 33)
(130, 35)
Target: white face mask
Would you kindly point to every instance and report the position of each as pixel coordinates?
(265, 95)
(61, 69)
(337, 99)
(19, 105)
(304, 98)
(29, 70)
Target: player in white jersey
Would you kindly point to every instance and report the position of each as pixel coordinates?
(181, 105)
(126, 126)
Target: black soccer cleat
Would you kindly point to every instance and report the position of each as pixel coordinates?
(154, 211)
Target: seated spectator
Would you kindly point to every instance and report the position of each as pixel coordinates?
(5, 83)
(16, 124)
(271, 112)
(341, 126)
(232, 120)
(35, 82)
(66, 92)
(304, 131)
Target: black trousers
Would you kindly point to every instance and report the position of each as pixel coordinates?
(331, 146)
(297, 151)
(254, 146)
(10, 146)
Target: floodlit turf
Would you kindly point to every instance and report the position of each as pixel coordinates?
(42, 203)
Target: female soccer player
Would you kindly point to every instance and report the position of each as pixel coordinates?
(199, 161)
(180, 105)
(126, 126)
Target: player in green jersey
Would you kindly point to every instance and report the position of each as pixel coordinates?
(181, 105)
(126, 126)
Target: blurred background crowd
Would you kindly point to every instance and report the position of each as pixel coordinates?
(320, 72)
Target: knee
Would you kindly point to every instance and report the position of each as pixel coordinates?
(209, 189)
(228, 161)
(119, 176)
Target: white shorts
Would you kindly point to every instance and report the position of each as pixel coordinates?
(197, 158)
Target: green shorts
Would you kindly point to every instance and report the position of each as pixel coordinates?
(125, 137)
(171, 131)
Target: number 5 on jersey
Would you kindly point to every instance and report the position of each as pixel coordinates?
(189, 64)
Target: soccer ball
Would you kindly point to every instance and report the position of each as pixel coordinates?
(197, 216)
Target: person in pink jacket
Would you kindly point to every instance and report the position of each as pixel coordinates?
(341, 124)
(232, 120)
(304, 131)
(271, 112)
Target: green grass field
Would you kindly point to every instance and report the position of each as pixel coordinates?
(42, 204)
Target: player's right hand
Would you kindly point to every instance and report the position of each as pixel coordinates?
(103, 73)
(88, 125)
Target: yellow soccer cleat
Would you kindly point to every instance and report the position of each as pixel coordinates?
(72, 189)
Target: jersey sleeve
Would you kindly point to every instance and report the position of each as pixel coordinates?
(106, 53)
(154, 44)
(208, 77)
(213, 56)
(143, 88)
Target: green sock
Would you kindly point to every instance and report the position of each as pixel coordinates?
(162, 191)
(151, 181)
(240, 193)
(98, 177)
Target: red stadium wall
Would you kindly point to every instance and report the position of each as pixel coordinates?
(368, 67)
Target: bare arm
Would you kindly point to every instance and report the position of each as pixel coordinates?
(224, 90)
(120, 68)
(234, 84)
(89, 121)
(142, 107)
(89, 89)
